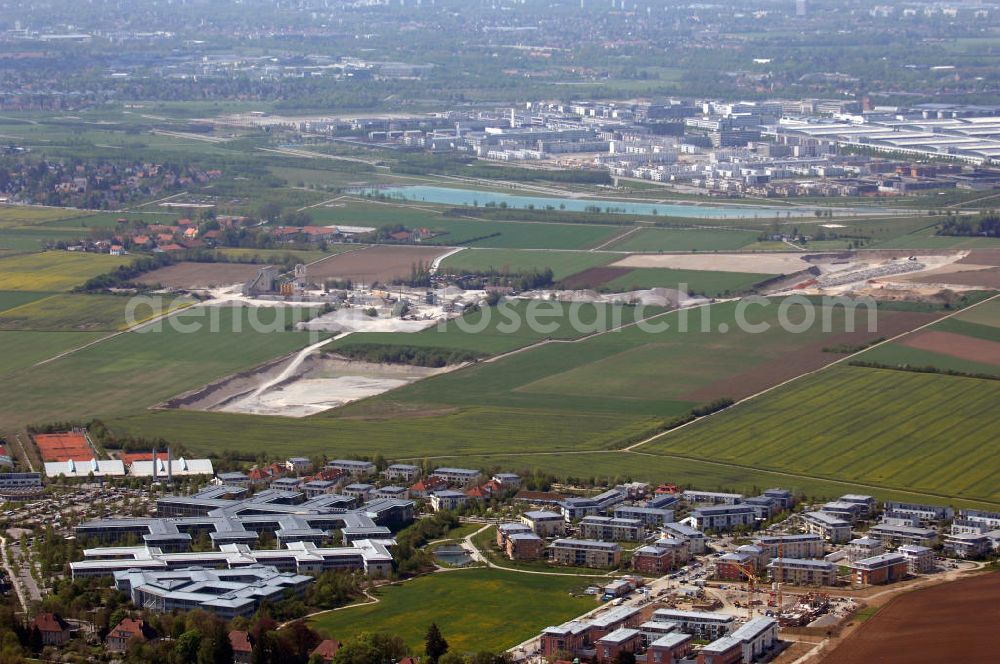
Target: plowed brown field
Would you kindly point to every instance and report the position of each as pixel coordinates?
(380, 263)
(952, 622)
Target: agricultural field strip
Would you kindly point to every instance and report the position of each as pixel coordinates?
(632, 448)
(701, 461)
(816, 396)
(839, 360)
(139, 326)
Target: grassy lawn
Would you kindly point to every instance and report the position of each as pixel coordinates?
(476, 609)
(54, 270)
(562, 263)
(929, 433)
(711, 284)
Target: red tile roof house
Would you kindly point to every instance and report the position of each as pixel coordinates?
(54, 630)
(123, 633)
(242, 647)
(326, 649)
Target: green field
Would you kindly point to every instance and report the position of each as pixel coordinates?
(703, 282)
(627, 371)
(614, 467)
(25, 215)
(562, 263)
(964, 324)
(132, 371)
(988, 313)
(521, 235)
(396, 430)
(899, 430)
(585, 395)
(14, 299)
(84, 313)
(490, 330)
(476, 609)
(23, 349)
(54, 270)
(899, 355)
(685, 239)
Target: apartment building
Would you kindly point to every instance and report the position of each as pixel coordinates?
(353, 467)
(792, 546)
(458, 476)
(803, 572)
(649, 516)
(695, 538)
(831, 528)
(700, 624)
(886, 568)
(894, 536)
(585, 553)
(721, 518)
(544, 523)
(610, 529)
(919, 558)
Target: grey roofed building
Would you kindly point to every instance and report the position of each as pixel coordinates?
(227, 593)
(286, 514)
(370, 555)
(353, 466)
(177, 468)
(83, 469)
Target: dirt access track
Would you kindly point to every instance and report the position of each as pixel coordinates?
(951, 622)
(381, 263)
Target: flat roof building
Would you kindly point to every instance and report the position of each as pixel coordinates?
(610, 529)
(827, 526)
(803, 572)
(585, 553)
(885, 568)
(84, 469)
(702, 624)
(899, 535)
(226, 593)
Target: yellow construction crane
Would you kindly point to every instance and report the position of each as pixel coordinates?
(753, 582)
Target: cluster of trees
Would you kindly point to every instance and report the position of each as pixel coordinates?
(925, 369)
(124, 276)
(411, 355)
(987, 225)
(519, 281)
(408, 557)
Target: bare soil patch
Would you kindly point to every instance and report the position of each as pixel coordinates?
(381, 263)
(956, 345)
(200, 275)
(952, 622)
(754, 263)
(594, 277)
(988, 279)
(983, 257)
(807, 358)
